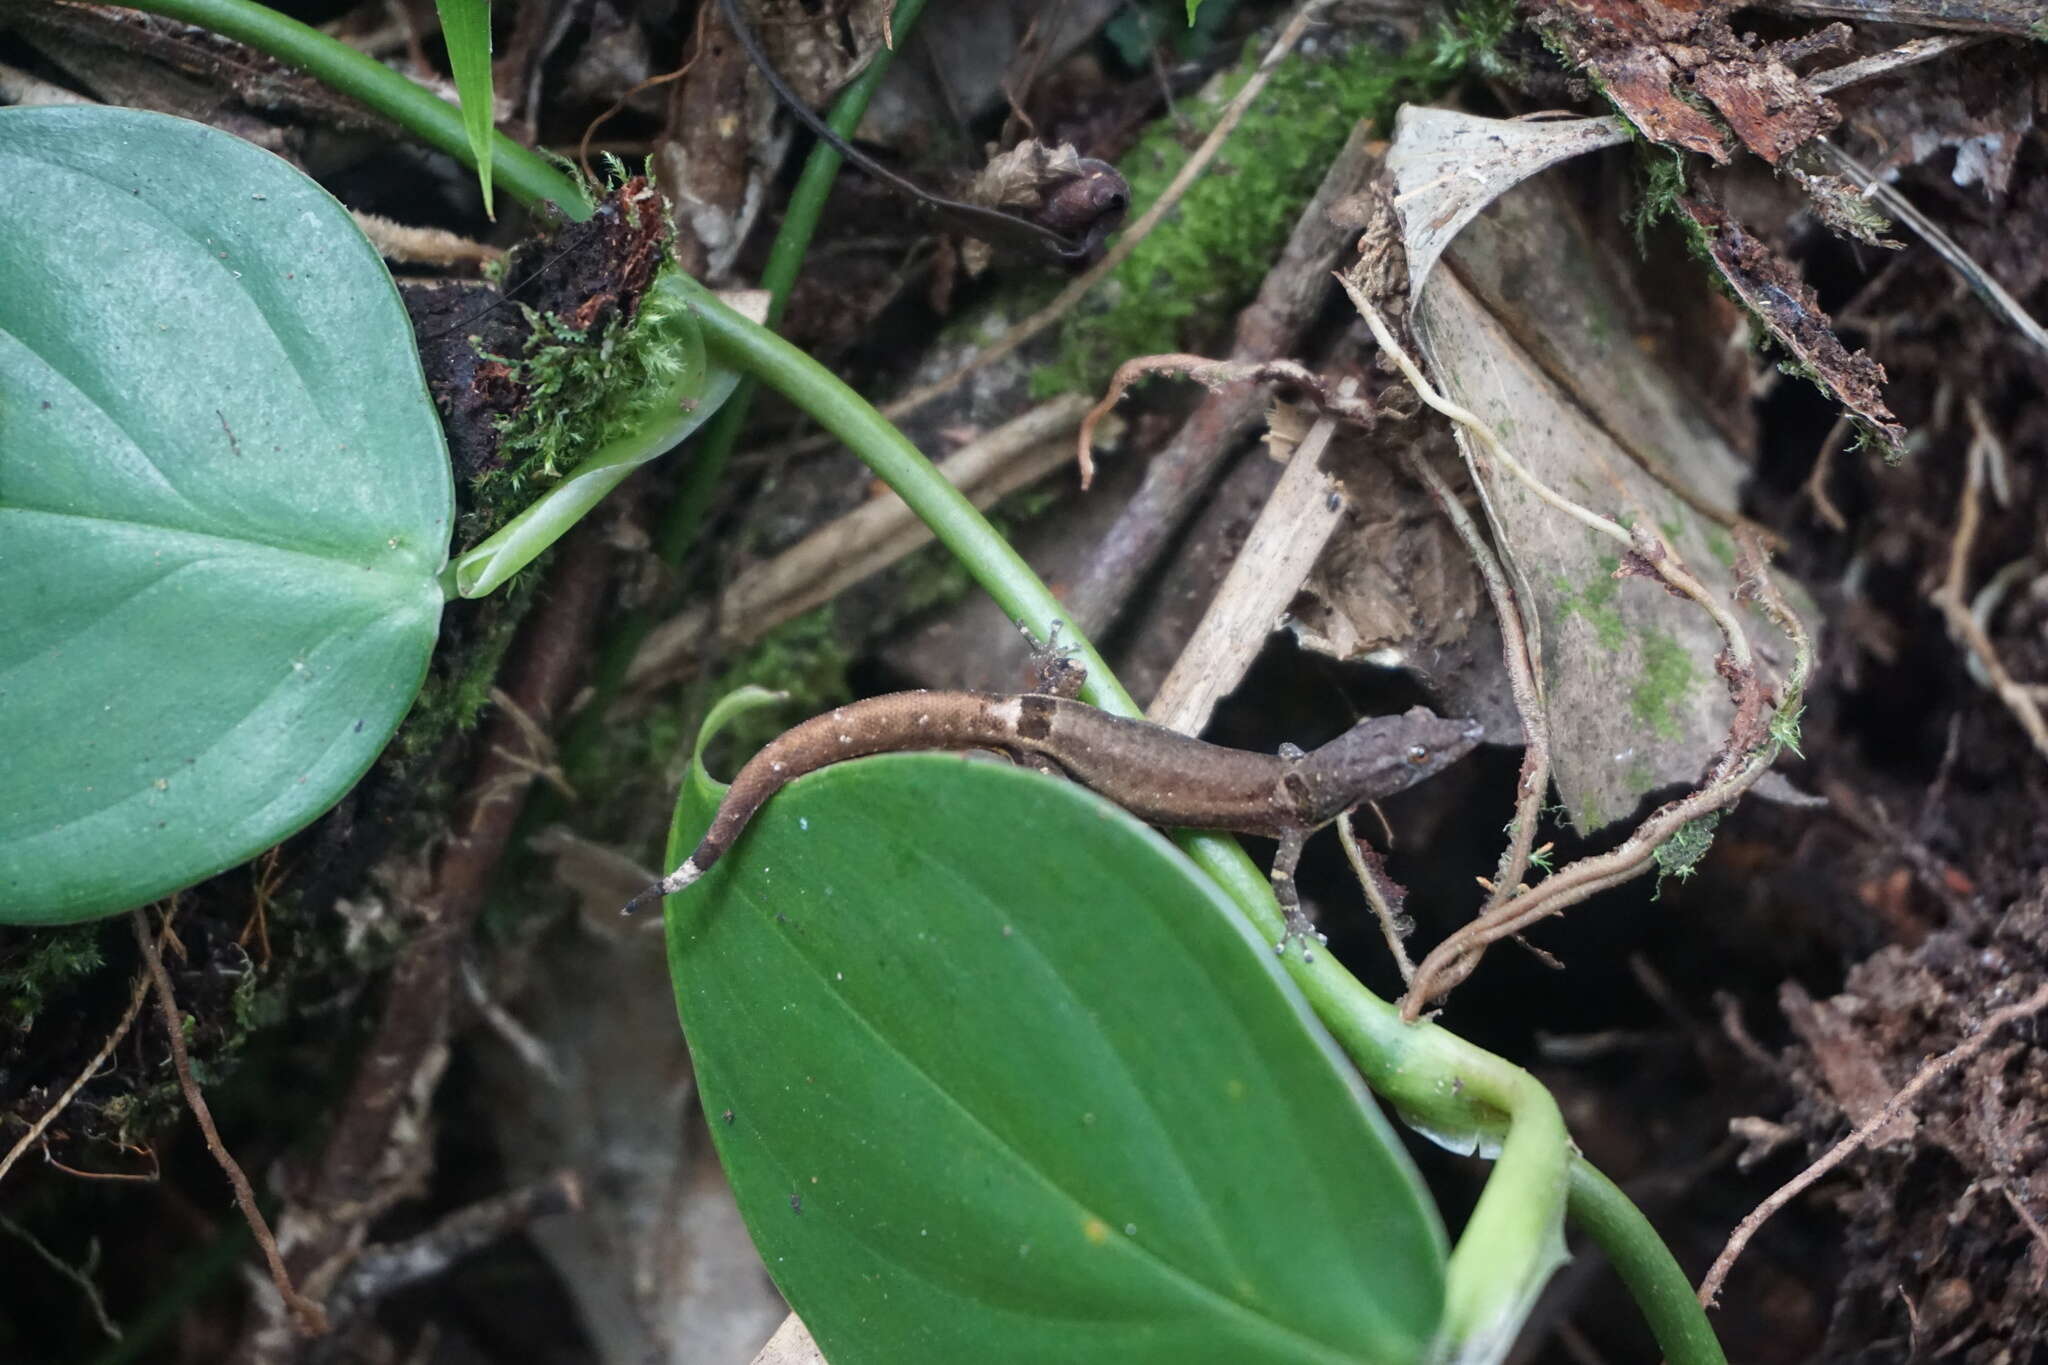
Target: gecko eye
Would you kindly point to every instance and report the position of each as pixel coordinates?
(1417, 754)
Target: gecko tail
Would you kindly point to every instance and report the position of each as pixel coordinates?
(667, 886)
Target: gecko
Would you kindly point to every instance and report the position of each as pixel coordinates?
(1077, 216)
(1159, 775)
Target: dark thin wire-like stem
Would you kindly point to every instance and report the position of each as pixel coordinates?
(705, 470)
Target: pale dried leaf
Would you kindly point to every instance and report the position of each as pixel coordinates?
(1527, 335)
(1447, 166)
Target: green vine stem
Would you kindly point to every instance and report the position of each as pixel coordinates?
(1459, 1093)
(524, 173)
(700, 478)
(734, 341)
(785, 259)
(1598, 1207)
(677, 392)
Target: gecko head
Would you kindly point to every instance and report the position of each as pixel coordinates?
(1382, 755)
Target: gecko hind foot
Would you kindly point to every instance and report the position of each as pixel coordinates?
(1055, 670)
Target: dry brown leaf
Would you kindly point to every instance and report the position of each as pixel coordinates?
(1524, 332)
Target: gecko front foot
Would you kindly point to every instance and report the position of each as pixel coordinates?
(1300, 929)
(1299, 925)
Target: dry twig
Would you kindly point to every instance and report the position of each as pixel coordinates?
(352, 1180)
(1994, 294)
(1272, 324)
(379, 1271)
(841, 553)
(1534, 783)
(1213, 375)
(1282, 547)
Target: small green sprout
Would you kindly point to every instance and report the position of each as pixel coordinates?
(1679, 856)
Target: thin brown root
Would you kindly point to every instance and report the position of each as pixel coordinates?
(1710, 1287)
(1749, 752)
(311, 1319)
(1128, 240)
(1394, 927)
(99, 1059)
(590, 130)
(1953, 597)
(1341, 401)
(1816, 487)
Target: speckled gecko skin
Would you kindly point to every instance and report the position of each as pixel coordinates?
(1161, 776)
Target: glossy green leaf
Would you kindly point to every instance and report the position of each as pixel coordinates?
(223, 502)
(466, 28)
(997, 1075)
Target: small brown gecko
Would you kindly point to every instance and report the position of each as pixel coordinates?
(1159, 775)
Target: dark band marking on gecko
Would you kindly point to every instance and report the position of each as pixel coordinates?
(1159, 775)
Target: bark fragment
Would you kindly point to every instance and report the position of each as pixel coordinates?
(1671, 66)
(1772, 290)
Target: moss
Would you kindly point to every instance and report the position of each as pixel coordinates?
(1639, 776)
(1784, 724)
(1667, 676)
(582, 392)
(1680, 855)
(1201, 264)
(459, 682)
(1667, 670)
(1595, 605)
(1720, 546)
(1869, 437)
(37, 963)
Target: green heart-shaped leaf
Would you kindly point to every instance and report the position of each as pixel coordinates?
(223, 502)
(997, 1075)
